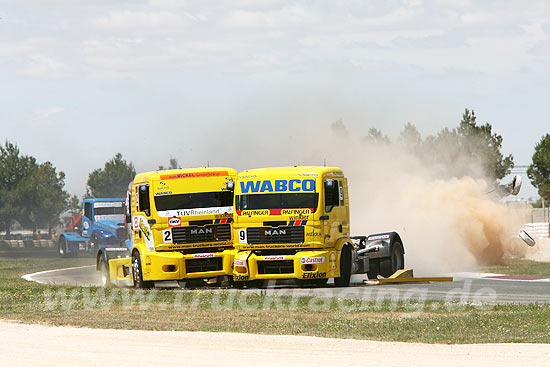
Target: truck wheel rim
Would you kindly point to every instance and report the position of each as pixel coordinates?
(136, 270)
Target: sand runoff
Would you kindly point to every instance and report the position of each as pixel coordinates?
(39, 345)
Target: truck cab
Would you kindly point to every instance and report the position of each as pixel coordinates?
(180, 227)
(102, 225)
(293, 223)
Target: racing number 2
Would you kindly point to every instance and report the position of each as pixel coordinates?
(242, 236)
(167, 236)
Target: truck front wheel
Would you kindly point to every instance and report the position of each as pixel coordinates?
(137, 272)
(345, 268)
(104, 271)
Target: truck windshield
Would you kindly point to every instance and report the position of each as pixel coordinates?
(109, 211)
(278, 201)
(193, 201)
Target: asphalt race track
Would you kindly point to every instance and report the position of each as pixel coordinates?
(467, 287)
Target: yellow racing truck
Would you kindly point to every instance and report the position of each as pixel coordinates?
(293, 223)
(179, 228)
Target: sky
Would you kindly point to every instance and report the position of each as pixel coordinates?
(200, 80)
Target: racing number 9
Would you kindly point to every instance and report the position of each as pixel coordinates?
(242, 236)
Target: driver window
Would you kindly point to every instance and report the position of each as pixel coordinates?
(332, 194)
(144, 205)
(88, 210)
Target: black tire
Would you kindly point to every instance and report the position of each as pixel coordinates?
(104, 271)
(345, 268)
(137, 273)
(62, 247)
(374, 269)
(396, 261)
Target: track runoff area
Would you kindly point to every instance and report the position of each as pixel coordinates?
(466, 287)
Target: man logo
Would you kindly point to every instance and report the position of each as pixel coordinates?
(275, 232)
(202, 231)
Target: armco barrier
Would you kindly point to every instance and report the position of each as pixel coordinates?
(538, 230)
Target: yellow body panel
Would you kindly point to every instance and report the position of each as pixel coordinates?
(152, 230)
(319, 231)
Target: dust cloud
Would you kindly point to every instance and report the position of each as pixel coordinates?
(447, 223)
(446, 219)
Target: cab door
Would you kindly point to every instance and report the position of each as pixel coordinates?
(336, 209)
(87, 219)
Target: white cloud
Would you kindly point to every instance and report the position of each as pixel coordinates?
(295, 15)
(43, 66)
(136, 19)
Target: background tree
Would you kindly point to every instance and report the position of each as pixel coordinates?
(31, 194)
(14, 169)
(173, 164)
(42, 197)
(467, 144)
(112, 180)
(375, 136)
(539, 170)
(74, 205)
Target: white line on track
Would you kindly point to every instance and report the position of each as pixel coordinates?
(29, 277)
(495, 276)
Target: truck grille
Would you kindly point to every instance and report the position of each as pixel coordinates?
(200, 265)
(276, 267)
(195, 234)
(268, 235)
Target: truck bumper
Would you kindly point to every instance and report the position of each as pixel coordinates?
(307, 264)
(173, 265)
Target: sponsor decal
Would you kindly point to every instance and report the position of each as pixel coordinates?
(294, 185)
(379, 237)
(240, 278)
(312, 260)
(108, 204)
(274, 258)
(86, 225)
(163, 193)
(174, 222)
(115, 249)
(203, 256)
(118, 217)
(135, 223)
(255, 212)
(298, 212)
(241, 263)
(314, 275)
(314, 234)
(146, 232)
(197, 211)
(194, 175)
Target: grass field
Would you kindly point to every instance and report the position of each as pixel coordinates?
(520, 267)
(219, 310)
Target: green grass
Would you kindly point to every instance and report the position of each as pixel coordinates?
(223, 310)
(520, 267)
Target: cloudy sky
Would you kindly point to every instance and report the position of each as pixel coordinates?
(82, 80)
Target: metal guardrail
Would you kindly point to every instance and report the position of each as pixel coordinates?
(538, 230)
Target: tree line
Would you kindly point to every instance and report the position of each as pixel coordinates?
(33, 194)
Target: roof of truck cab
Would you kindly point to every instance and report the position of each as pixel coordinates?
(291, 171)
(186, 172)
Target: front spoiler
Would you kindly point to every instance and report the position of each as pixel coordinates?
(170, 265)
(322, 264)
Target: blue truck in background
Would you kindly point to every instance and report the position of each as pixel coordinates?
(102, 226)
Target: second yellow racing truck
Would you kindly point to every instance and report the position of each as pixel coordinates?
(179, 226)
(294, 223)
